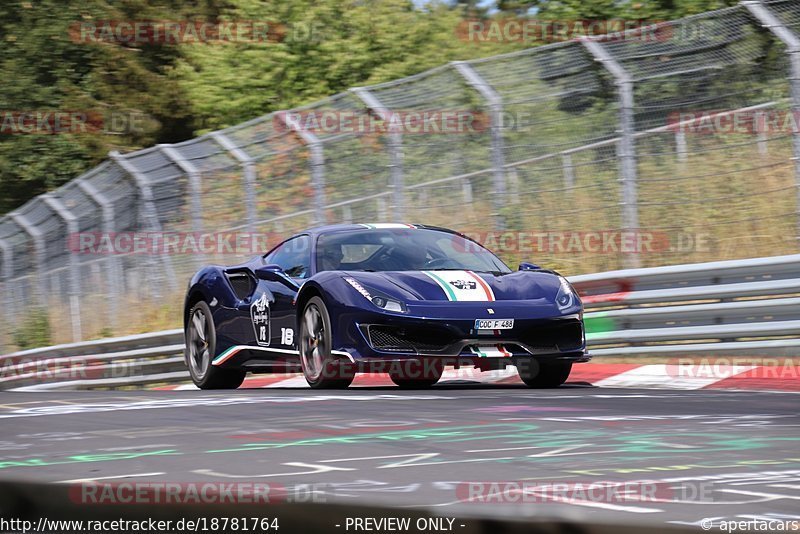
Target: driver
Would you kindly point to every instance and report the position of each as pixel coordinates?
(414, 256)
(331, 259)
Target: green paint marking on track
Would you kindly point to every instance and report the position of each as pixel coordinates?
(84, 458)
(531, 435)
(448, 434)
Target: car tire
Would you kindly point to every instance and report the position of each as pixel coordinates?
(542, 375)
(320, 368)
(201, 343)
(423, 375)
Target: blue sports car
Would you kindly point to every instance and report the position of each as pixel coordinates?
(397, 298)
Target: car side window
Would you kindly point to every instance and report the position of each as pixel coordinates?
(294, 257)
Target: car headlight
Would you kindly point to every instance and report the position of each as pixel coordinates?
(378, 299)
(566, 297)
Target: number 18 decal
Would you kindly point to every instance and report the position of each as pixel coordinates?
(287, 336)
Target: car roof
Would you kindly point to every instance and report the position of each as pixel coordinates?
(335, 228)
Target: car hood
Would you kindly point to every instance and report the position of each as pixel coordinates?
(461, 285)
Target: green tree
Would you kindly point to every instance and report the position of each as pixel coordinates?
(328, 47)
(48, 67)
(603, 9)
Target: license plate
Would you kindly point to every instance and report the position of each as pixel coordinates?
(494, 324)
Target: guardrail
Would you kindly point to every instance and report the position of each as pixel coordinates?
(114, 362)
(740, 306)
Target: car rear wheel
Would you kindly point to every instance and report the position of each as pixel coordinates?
(320, 368)
(417, 374)
(543, 374)
(201, 342)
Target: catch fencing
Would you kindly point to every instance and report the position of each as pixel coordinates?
(592, 137)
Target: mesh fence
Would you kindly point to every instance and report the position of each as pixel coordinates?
(666, 145)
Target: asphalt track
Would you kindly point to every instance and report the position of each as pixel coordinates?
(731, 454)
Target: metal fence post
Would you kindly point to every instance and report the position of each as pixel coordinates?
(149, 213)
(466, 191)
(792, 43)
(39, 251)
(115, 280)
(8, 258)
(495, 102)
(75, 280)
(249, 167)
(680, 146)
(195, 191)
(568, 170)
(6, 273)
(395, 150)
(195, 186)
(627, 144)
(317, 165)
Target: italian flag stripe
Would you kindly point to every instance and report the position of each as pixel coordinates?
(484, 285)
(225, 356)
(444, 285)
(503, 350)
(495, 351)
(388, 226)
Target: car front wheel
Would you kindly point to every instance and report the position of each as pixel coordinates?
(320, 368)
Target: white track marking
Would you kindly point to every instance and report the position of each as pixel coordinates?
(93, 479)
(315, 469)
(765, 496)
(556, 452)
(669, 377)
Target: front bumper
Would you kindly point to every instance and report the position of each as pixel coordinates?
(539, 332)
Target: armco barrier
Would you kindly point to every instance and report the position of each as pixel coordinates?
(127, 360)
(739, 306)
(742, 306)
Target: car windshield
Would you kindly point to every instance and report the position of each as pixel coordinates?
(403, 250)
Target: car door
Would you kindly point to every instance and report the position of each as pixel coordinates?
(271, 306)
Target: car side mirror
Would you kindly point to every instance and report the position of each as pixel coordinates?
(526, 266)
(268, 272)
